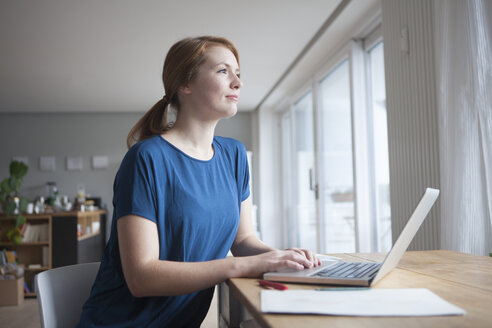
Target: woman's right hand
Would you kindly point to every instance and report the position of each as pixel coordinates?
(255, 266)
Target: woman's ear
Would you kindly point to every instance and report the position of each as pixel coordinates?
(185, 89)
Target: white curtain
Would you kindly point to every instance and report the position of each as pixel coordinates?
(463, 55)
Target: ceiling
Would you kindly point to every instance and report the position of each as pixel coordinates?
(107, 56)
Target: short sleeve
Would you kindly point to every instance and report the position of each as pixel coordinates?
(243, 173)
(134, 187)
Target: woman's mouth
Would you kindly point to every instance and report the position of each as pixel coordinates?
(233, 98)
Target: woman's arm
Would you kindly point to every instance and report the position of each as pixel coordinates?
(147, 275)
(246, 242)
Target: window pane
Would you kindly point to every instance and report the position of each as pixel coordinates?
(304, 162)
(381, 162)
(337, 194)
(287, 183)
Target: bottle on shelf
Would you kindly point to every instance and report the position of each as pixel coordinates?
(81, 198)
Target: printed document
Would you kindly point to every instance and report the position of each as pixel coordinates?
(370, 302)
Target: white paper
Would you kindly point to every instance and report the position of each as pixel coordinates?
(100, 162)
(74, 163)
(371, 302)
(47, 163)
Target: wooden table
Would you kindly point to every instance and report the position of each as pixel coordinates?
(462, 279)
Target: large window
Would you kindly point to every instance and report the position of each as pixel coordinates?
(304, 170)
(380, 144)
(298, 155)
(337, 187)
(289, 234)
(335, 157)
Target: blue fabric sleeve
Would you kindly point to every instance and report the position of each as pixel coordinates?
(244, 173)
(134, 187)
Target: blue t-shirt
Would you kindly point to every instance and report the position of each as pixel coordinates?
(195, 205)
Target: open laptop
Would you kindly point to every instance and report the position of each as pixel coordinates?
(362, 273)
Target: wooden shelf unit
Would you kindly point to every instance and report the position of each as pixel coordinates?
(89, 223)
(65, 247)
(37, 243)
(29, 252)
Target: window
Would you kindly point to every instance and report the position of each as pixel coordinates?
(335, 157)
(304, 173)
(380, 144)
(290, 234)
(337, 187)
(298, 169)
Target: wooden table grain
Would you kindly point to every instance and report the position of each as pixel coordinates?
(462, 279)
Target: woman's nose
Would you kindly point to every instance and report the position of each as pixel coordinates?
(236, 83)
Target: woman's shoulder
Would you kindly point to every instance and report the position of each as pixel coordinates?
(230, 144)
(146, 148)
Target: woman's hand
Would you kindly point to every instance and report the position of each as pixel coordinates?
(310, 256)
(292, 258)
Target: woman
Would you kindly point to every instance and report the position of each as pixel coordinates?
(181, 202)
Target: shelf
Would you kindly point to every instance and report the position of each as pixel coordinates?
(44, 217)
(87, 236)
(36, 269)
(60, 246)
(37, 243)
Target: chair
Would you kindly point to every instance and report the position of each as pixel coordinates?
(62, 292)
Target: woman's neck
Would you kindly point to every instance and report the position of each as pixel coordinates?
(194, 138)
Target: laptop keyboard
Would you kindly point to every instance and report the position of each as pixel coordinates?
(350, 270)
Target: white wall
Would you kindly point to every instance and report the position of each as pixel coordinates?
(85, 135)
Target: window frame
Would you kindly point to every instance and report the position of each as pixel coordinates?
(288, 184)
(356, 52)
(337, 59)
(287, 108)
(373, 39)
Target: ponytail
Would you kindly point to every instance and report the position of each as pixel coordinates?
(154, 122)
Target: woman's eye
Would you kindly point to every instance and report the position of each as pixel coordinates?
(224, 70)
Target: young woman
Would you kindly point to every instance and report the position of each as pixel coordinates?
(181, 202)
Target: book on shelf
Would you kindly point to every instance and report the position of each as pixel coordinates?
(46, 254)
(34, 266)
(34, 232)
(23, 229)
(3, 257)
(26, 232)
(11, 256)
(26, 288)
(44, 232)
(95, 226)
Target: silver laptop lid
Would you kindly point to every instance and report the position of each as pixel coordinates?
(407, 234)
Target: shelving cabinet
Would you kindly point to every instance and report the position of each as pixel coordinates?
(29, 253)
(72, 238)
(78, 237)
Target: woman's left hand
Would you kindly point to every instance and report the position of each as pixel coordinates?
(310, 256)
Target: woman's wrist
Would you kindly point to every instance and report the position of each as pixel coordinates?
(236, 266)
(241, 266)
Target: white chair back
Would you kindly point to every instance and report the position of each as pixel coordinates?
(62, 292)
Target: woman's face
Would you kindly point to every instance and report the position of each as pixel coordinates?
(215, 88)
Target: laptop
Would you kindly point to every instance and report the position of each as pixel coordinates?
(362, 273)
